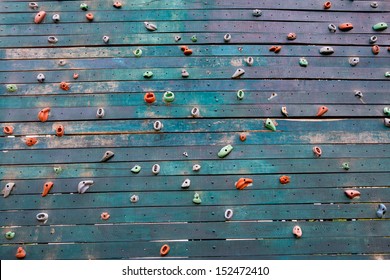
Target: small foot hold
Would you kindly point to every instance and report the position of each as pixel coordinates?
(83, 186)
(46, 188)
(107, 155)
(7, 189)
(225, 151)
(297, 232)
(242, 183)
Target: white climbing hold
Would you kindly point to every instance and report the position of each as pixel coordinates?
(150, 26)
(83, 186)
(134, 198)
(156, 169)
(186, 183)
(7, 189)
(239, 72)
(196, 167)
(228, 214)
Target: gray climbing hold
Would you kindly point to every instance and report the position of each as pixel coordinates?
(326, 50)
(332, 27)
(42, 217)
(56, 18)
(256, 12)
(157, 126)
(381, 211)
(353, 61)
(228, 214)
(177, 38)
(7, 189)
(156, 169)
(195, 112)
(374, 4)
(136, 169)
(185, 154)
(196, 167)
(62, 62)
(107, 155)
(150, 26)
(227, 37)
(249, 61)
(387, 122)
(52, 39)
(239, 72)
(358, 94)
(100, 113)
(134, 198)
(186, 183)
(83, 186)
(106, 39)
(41, 78)
(373, 39)
(33, 5)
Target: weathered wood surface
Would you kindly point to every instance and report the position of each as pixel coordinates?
(111, 77)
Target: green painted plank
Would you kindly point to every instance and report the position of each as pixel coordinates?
(60, 156)
(174, 214)
(321, 257)
(205, 248)
(184, 198)
(220, 230)
(149, 182)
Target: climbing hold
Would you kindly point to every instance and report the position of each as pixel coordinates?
(332, 27)
(196, 199)
(239, 72)
(380, 26)
(106, 39)
(52, 39)
(156, 169)
(168, 96)
(327, 5)
(20, 253)
(284, 179)
(158, 125)
(149, 97)
(345, 165)
(291, 36)
(381, 211)
(57, 169)
(374, 4)
(42, 217)
(89, 16)
(83, 186)
(104, 216)
(240, 94)
(249, 61)
(150, 26)
(387, 122)
(39, 17)
(100, 113)
(317, 151)
(386, 111)
(194, 38)
(33, 5)
(345, 26)
(64, 86)
(227, 37)
(43, 115)
(256, 12)
(41, 78)
(186, 183)
(117, 5)
(184, 73)
(225, 151)
(242, 137)
(46, 188)
(387, 74)
(62, 62)
(284, 111)
(60, 130)
(137, 52)
(31, 141)
(352, 193)
(9, 234)
(8, 129)
(321, 111)
(228, 214)
(136, 169)
(84, 7)
(164, 250)
(195, 112)
(196, 167)
(148, 74)
(359, 94)
(177, 38)
(11, 88)
(303, 62)
(297, 232)
(353, 61)
(56, 18)
(275, 49)
(107, 155)
(185, 154)
(134, 198)
(375, 49)
(326, 50)
(242, 183)
(186, 50)
(270, 124)
(7, 189)
(373, 39)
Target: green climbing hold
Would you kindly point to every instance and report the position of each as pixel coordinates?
(196, 199)
(380, 26)
(168, 96)
(303, 62)
(57, 169)
(270, 124)
(386, 111)
(12, 88)
(10, 235)
(148, 74)
(84, 7)
(387, 74)
(345, 166)
(225, 151)
(240, 94)
(194, 38)
(137, 53)
(136, 169)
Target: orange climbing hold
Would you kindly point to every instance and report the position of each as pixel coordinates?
(20, 253)
(89, 16)
(46, 188)
(375, 49)
(43, 115)
(75, 76)
(105, 216)
(242, 183)
(322, 110)
(284, 179)
(164, 250)
(352, 193)
(60, 130)
(31, 141)
(345, 26)
(242, 137)
(186, 50)
(64, 86)
(39, 17)
(275, 49)
(327, 5)
(317, 151)
(8, 129)
(149, 97)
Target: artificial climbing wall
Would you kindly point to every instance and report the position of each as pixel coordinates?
(195, 129)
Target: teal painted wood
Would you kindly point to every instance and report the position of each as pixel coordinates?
(205, 248)
(213, 230)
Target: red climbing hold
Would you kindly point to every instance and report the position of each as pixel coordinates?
(352, 193)
(39, 17)
(284, 179)
(327, 5)
(43, 115)
(243, 137)
(46, 188)
(275, 49)
(31, 141)
(322, 110)
(317, 151)
(75, 76)
(8, 129)
(149, 97)
(105, 216)
(64, 86)
(164, 250)
(60, 130)
(117, 5)
(186, 50)
(20, 253)
(242, 183)
(345, 26)
(375, 49)
(89, 16)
